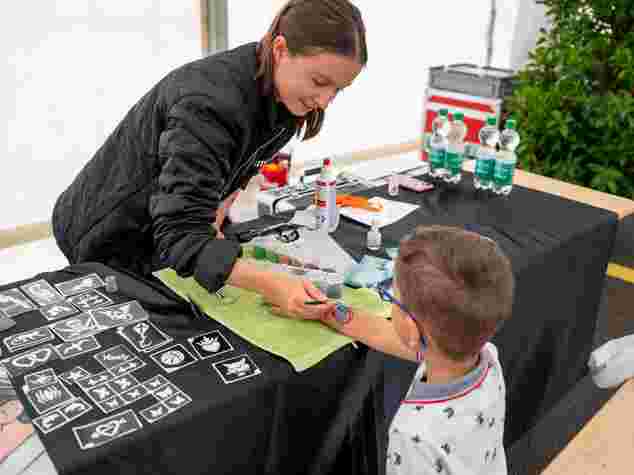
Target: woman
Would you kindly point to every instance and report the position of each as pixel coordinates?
(172, 167)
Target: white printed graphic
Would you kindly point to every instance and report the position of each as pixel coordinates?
(75, 328)
(120, 314)
(73, 375)
(58, 310)
(45, 398)
(89, 300)
(144, 336)
(30, 359)
(210, 344)
(79, 285)
(70, 349)
(173, 358)
(106, 430)
(236, 368)
(62, 415)
(27, 339)
(14, 303)
(114, 356)
(42, 292)
(39, 379)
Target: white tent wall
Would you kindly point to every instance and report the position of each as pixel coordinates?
(72, 70)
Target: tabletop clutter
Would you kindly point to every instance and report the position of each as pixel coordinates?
(442, 157)
(77, 311)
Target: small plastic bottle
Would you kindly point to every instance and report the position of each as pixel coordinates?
(327, 212)
(373, 238)
(393, 183)
(489, 137)
(111, 284)
(506, 159)
(455, 150)
(438, 144)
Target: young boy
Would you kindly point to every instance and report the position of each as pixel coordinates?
(452, 289)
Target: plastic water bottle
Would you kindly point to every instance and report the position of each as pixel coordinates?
(393, 184)
(456, 147)
(373, 238)
(485, 163)
(438, 144)
(506, 159)
(424, 153)
(327, 213)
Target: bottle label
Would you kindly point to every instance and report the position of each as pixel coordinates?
(503, 174)
(471, 150)
(484, 168)
(437, 158)
(393, 185)
(454, 163)
(326, 204)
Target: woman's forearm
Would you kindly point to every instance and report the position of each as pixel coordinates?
(249, 276)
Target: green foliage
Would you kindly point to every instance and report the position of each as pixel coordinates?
(575, 100)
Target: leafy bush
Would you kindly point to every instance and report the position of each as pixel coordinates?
(575, 100)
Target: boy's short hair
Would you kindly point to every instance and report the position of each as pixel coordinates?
(459, 281)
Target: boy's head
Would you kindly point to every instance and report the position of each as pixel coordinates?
(457, 284)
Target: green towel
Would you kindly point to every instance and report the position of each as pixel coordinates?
(303, 343)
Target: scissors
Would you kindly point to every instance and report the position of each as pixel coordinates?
(286, 232)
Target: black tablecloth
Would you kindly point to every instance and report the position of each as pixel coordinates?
(329, 419)
(559, 251)
(323, 420)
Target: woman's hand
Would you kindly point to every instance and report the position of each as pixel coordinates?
(223, 211)
(288, 297)
(285, 293)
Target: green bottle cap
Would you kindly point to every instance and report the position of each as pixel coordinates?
(259, 252)
(458, 116)
(511, 124)
(444, 112)
(492, 121)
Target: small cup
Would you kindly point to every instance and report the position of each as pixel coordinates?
(111, 284)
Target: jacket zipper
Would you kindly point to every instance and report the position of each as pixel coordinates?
(251, 160)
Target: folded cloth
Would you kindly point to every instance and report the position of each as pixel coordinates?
(303, 343)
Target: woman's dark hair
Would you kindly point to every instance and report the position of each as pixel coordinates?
(313, 27)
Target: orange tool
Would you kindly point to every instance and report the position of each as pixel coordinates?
(358, 202)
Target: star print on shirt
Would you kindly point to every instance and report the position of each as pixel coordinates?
(438, 466)
(419, 408)
(480, 418)
(397, 459)
(449, 411)
(446, 448)
(492, 422)
(416, 439)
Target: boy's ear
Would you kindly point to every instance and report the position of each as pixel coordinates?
(280, 48)
(413, 333)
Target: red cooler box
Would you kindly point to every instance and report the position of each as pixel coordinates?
(476, 92)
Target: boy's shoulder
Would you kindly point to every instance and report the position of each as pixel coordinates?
(481, 390)
(468, 423)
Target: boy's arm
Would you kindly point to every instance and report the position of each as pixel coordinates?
(373, 331)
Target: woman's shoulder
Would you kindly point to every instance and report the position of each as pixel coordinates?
(233, 71)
